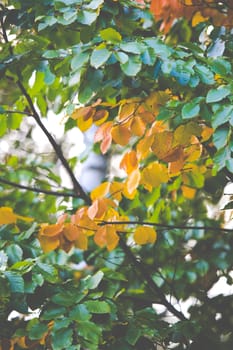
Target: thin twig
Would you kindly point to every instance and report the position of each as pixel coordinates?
(37, 190)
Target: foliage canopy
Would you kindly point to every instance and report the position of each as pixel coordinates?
(157, 84)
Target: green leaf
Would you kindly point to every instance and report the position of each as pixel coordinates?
(133, 333)
(48, 271)
(222, 115)
(191, 109)
(51, 54)
(24, 266)
(99, 57)
(121, 56)
(93, 281)
(87, 17)
(111, 35)
(16, 281)
(89, 331)
(215, 95)
(221, 66)
(94, 4)
(36, 329)
(79, 313)
(61, 339)
(132, 67)
(131, 47)
(220, 137)
(79, 60)
(53, 312)
(205, 74)
(97, 307)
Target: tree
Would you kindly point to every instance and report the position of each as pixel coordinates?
(147, 238)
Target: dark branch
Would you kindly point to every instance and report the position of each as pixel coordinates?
(37, 190)
(142, 270)
(164, 226)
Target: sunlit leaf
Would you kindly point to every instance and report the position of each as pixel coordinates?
(154, 175)
(129, 162)
(121, 134)
(144, 235)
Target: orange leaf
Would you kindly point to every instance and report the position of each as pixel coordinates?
(206, 133)
(99, 208)
(106, 236)
(129, 162)
(71, 232)
(50, 230)
(177, 165)
(121, 134)
(144, 235)
(104, 136)
(154, 175)
(116, 189)
(188, 192)
(82, 220)
(82, 241)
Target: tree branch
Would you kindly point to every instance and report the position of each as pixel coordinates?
(38, 190)
(165, 226)
(143, 272)
(76, 186)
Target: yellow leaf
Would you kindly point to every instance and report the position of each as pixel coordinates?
(144, 235)
(49, 244)
(206, 133)
(132, 183)
(137, 126)
(82, 220)
(116, 189)
(100, 116)
(193, 152)
(129, 162)
(162, 145)
(154, 175)
(188, 192)
(7, 216)
(121, 134)
(21, 341)
(100, 191)
(143, 146)
(126, 110)
(198, 18)
(82, 241)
